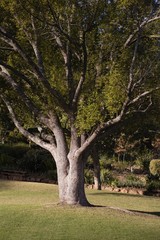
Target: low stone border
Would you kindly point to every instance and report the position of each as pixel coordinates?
(23, 176)
(120, 190)
(129, 190)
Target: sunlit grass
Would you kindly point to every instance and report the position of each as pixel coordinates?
(30, 211)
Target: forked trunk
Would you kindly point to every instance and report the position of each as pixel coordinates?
(71, 182)
(75, 180)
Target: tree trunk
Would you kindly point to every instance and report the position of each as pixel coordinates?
(71, 181)
(97, 179)
(75, 179)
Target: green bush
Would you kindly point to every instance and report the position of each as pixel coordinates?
(88, 176)
(22, 157)
(143, 160)
(132, 177)
(106, 162)
(16, 150)
(37, 160)
(153, 185)
(130, 183)
(52, 174)
(106, 177)
(6, 161)
(154, 167)
(120, 166)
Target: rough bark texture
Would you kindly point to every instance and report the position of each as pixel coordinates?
(97, 178)
(71, 181)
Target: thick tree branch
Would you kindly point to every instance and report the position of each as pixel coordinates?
(116, 120)
(13, 43)
(26, 100)
(17, 73)
(28, 135)
(97, 132)
(55, 126)
(47, 137)
(5, 74)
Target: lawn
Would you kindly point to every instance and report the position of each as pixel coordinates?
(30, 211)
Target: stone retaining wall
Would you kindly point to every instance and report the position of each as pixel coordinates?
(23, 176)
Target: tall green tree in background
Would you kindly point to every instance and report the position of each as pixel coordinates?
(77, 69)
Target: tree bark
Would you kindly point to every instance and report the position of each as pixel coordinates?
(97, 178)
(71, 181)
(75, 191)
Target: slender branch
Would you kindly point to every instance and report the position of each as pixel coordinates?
(131, 77)
(140, 110)
(83, 73)
(142, 95)
(67, 56)
(131, 80)
(144, 23)
(6, 49)
(56, 24)
(34, 44)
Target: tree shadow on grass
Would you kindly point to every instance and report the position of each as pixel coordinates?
(128, 211)
(134, 212)
(146, 213)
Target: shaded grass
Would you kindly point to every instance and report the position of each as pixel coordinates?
(30, 211)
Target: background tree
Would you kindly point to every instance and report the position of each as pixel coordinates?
(77, 68)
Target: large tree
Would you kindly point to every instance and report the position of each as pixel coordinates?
(76, 69)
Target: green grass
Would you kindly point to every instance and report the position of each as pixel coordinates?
(30, 211)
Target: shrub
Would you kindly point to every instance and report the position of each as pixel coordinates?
(10, 155)
(37, 160)
(52, 174)
(143, 160)
(16, 150)
(132, 177)
(130, 183)
(106, 177)
(6, 162)
(120, 166)
(153, 185)
(154, 167)
(21, 157)
(88, 176)
(106, 162)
